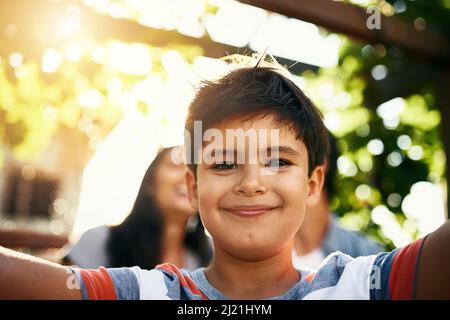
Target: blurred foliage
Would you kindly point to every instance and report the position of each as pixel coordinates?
(351, 96)
(87, 96)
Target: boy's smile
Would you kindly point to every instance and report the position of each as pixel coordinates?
(253, 211)
(250, 211)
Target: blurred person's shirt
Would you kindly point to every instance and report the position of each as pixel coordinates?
(337, 238)
(91, 252)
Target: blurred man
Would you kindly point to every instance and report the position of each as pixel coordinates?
(321, 234)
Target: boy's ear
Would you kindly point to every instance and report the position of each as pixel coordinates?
(192, 189)
(315, 184)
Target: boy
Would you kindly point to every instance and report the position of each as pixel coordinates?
(252, 209)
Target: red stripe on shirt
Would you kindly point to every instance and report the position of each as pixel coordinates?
(402, 275)
(310, 277)
(98, 283)
(185, 280)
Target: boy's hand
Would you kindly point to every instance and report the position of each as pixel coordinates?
(26, 277)
(433, 273)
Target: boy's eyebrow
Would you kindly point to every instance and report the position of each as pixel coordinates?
(224, 152)
(217, 150)
(284, 149)
(231, 154)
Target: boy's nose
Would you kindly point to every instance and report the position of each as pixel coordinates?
(251, 183)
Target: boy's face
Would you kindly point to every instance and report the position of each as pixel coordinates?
(253, 210)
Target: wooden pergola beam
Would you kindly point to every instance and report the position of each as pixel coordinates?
(352, 21)
(124, 29)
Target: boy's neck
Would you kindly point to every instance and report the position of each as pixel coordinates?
(238, 279)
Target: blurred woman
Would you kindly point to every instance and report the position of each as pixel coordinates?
(162, 226)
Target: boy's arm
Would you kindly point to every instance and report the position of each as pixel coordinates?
(26, 277)
(433, 273)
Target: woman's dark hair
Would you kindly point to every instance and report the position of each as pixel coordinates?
(137, 240)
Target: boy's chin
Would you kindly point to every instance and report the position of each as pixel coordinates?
(252, 252)
(253, 256)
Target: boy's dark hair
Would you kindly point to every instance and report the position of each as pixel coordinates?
(250, 92)
(330, 174)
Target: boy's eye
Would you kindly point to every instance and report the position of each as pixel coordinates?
(224, 166)
(277, 163)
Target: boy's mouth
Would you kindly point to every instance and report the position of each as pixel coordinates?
(250, 211)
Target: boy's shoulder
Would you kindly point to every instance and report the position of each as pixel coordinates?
(164, 282)
(339, 277)
(385, 276)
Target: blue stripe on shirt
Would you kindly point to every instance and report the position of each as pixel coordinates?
(379, 276)
(125, 282)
